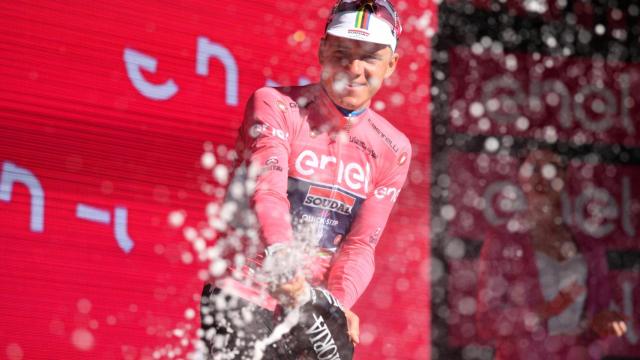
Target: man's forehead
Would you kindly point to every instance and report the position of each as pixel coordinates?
(351, 44)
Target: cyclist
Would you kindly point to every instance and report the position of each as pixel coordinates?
(330, 171)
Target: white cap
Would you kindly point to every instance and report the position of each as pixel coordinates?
(362, 25)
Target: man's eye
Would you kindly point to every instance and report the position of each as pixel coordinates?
(370, 58)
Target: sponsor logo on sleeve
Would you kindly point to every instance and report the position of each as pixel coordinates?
(284, 107)
(363, 146)
(384, 137)
(272, 164)
(375, 236)
(328, 199)
(387, 192)
(267, 130)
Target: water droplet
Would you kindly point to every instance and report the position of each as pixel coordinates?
(217, 267)
(448, 212)
(186, 257)
(84, 306)
(14, 352)
(549, 171)
(221, 174)
(208, 160)
(82, 339)
(550, 134)
(476, 109)
(467, 306)
(190, 234)
(491, 144)
(454, 249)
(379, 105)
(176, 218)
(484, 124)
(189, 314)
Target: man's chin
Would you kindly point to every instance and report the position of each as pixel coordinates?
(350, 102)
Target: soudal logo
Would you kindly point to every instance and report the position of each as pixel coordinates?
(352, 174)
(328, 199)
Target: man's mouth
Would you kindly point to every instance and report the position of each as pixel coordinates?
(341, 84)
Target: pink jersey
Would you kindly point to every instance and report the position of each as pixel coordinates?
(340, 174)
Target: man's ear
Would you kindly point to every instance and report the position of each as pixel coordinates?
(393, 61)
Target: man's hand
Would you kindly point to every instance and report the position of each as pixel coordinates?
(353, 326)
(293, 292)
(607, 323)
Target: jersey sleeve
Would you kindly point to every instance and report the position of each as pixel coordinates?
(265, 135)
(354, 263)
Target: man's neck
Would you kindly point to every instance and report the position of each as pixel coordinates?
(350, 113)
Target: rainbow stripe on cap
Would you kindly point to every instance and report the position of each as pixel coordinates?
(362, 18)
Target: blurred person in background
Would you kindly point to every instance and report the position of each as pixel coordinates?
(541, 293)
(329, 170)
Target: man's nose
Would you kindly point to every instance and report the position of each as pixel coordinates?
(354, 66)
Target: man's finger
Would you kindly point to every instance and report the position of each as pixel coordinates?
(623, 325)
(616, 328)
(353, 324)
(619, 328)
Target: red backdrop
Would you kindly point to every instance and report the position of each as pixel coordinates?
(104, 111)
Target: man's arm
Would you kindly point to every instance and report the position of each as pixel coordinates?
(354, 264)
(265, 146)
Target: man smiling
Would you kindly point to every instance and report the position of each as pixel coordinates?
(330, 171)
